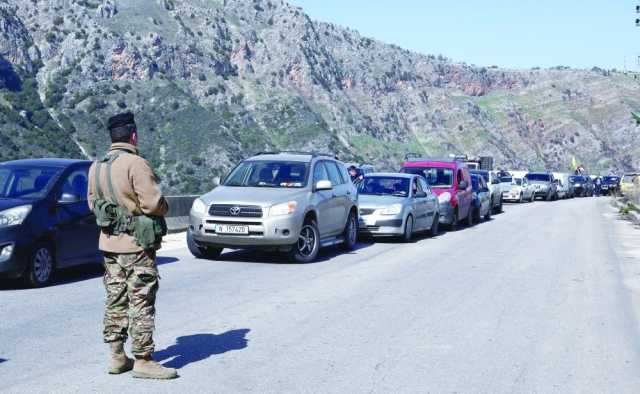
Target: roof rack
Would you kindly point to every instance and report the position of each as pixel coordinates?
(417, 157)
(293, 152)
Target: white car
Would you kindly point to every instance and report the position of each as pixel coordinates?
(520, 191)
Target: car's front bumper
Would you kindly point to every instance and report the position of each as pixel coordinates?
(511, 195)
(381, 225)
(13, 264)
(446, 213)
(263, 232)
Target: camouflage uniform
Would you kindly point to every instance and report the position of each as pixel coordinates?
(131, 281)
(131, 275)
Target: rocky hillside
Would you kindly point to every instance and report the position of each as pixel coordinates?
(212, 81)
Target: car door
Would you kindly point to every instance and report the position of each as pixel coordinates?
(76, 232)
(324, 202)
(431, 203)
(341, 194)
(465, 196)
(486, 196)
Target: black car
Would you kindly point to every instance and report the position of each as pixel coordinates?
(45, 221)
(611, 185)
(582, 185)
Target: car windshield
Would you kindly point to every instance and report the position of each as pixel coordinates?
(517, 181)
(27, 182)
(611, 179)
(385, 186)
(576, 179)
(539, 177)
(437, 177)
(628, 179)
(275, 174)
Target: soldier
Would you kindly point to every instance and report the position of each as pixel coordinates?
(124, 194)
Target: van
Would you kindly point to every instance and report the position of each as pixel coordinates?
(451, 181)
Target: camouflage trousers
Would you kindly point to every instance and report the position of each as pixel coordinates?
(131, 281)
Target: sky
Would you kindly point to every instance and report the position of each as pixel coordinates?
(511, 34)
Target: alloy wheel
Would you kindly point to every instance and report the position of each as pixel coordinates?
(42, 265)
(307, 241)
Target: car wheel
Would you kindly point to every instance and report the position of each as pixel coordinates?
(454, 221)
(350, 233)
(40, 267)
(435, 226)
(308, 245)
(521, 198)
(487, 217)
(470, 216)
(202, 252)
(500, 208)
(408, 230)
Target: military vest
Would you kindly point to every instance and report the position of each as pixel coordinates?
(113, 219)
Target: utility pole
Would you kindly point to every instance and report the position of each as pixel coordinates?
(636, 115)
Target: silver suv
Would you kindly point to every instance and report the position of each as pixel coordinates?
(289, 201)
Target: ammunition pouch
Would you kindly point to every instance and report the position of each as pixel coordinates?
(113, 219)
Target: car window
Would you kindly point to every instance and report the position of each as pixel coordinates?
(75, 184)
(334, 173)
(320, 173)
(415, 186)
(27, 182)
(339, 172)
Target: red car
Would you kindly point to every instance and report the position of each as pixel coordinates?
(451, 181)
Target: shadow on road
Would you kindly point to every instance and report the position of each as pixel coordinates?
(74, 274)
(267, 257)
(194, 348)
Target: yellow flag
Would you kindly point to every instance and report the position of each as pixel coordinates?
(574, 163)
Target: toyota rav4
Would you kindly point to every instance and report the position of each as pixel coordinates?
(290, 202)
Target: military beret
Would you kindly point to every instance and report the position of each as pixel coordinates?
(120, 120)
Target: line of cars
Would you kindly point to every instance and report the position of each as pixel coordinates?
(298, 202)
(293, 202)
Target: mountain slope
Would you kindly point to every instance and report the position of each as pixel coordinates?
(212, 81)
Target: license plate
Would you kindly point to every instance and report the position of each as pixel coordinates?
(232, 229)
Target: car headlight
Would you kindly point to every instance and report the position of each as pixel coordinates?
(199, 207)
(283, 209)
(444, 198)
(394, 209)
(14, 216)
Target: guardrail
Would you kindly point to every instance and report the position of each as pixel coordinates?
(178, 217)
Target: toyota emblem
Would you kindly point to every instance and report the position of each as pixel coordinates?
(234, 211)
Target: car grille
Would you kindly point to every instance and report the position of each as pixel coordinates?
(240, 211)
(366, 211)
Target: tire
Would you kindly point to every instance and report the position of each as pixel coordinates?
(455, 221)
(533, 198)
(521, 198)
(435, 226)
(202, 252)
(408, 230)
(306, 249)
(350, 233)
(487, 216)
(499, 208)
(41, 266)
(470, 215)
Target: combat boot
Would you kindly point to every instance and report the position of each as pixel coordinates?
(147, 368)
(118, 360)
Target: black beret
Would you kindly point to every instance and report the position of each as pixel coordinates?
(120, 120)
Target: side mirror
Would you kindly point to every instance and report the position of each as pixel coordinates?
(463, 185)
(420, 195)
(324, 185)
(68, 198)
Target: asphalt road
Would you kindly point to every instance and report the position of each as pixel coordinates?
(542, 299)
